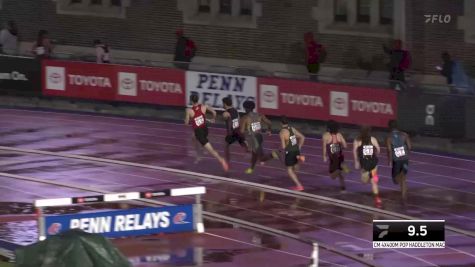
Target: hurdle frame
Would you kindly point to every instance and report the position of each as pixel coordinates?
(198, 226)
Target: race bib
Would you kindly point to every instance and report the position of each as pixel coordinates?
(335, 148)
(400, 152)
(293, 140)
(256, 126)
(235, 124)
(368, 150)
(40, 50)
(199, 120)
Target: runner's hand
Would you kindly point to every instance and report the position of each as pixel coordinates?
(269, 133)
(325, 159)
(211, 120)
(357, 165)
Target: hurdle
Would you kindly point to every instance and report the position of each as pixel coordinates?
(125, 222)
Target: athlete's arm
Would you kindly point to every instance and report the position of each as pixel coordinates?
(390, 154)
(300, 137)
(324, 146)
(342, 140)
(408, 142)
(355, 154)
(282, 139)
(211, 110)
(374, 141)
(187, 116)
(267, 122)
(226, 115)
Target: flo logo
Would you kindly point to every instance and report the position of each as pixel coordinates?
(180, 218)
(437, 19)
(384, 232)
(54, 229)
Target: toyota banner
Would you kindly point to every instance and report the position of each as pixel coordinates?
(320, 101)
(114, 82)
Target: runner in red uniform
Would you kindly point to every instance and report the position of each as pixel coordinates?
(197, 115)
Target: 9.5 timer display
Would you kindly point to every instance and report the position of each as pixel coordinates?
(408, 233)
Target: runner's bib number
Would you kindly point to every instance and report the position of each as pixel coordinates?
(256, 126)
(400, 151)
(235, 124)
(335, 148)
(199, 120)
(368, 150)
(293, 140)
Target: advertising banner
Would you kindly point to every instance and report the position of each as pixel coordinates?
(212, 88)
(20, 74)
(121, 223)
(320, 101)
(114, 82)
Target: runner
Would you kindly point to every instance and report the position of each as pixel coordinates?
(333, 145)
(292, 141)
(365, 151)
(231, 116)
(251, 124)
(197, 114)
(399, 145)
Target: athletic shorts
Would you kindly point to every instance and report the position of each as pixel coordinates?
(368, 165)
(235, 136)
(335, 162)
(398, 167)
(201, 135)
(291, 158)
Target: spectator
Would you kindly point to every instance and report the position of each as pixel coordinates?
(185, 50)
(315, 54)
(42, 47)
(400, 61)
(454, 72)
(102, 52)
(9, 38)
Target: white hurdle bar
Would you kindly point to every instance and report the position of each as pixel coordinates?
(114, 197)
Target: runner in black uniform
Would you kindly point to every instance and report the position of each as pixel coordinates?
(399, 146)
(333, 145)
(233, 134)
(251, 125)
(365, 151)
(197, 115)
(291, 142)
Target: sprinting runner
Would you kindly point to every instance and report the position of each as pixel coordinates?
(233, 134)
(398, 145)
(292, 141)
(251, 124)
(197, 114)
(333, 145)
(365, 151)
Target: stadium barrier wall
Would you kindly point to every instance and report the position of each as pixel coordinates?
(21, 75)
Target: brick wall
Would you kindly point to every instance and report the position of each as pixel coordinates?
(150, 26)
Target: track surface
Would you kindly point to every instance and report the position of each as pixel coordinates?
(440, 187)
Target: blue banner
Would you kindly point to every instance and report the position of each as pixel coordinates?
(121, 223)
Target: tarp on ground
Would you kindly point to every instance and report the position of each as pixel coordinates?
(73, 248)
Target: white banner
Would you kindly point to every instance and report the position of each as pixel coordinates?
(408, 244)
(213, 87)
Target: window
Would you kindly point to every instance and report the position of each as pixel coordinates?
(341, 10)
(116, 3)
(225, 6)
(96, 2)
(386, 12)
(364, 9)
(204, 6)
(246, 7)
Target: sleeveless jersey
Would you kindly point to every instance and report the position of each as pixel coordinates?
(198, 120)
(292, 145)
(232, 123)
(334, 148)
(255, 127)
(399, 148)
(367, 156)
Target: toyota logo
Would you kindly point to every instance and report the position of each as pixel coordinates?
(339, 103)
(269, 96)
(127, 83)
(55, 77)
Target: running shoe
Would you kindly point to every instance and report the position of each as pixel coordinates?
(249, 171)
(225, 165)
(297, 188)
(378, 202)
(275, 154)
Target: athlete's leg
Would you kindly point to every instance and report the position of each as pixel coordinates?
(215, 154)
(226, 151)
(342, 182)
(198, 149)
(293, 176)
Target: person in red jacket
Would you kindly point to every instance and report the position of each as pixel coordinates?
(315, 54)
